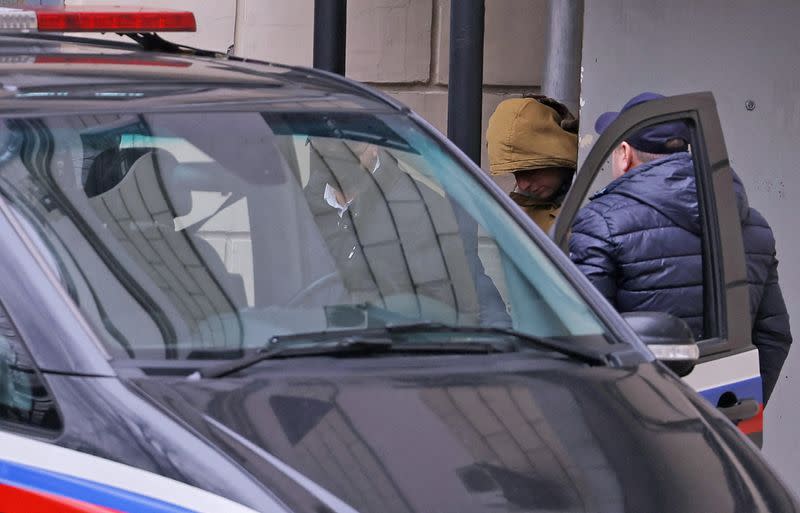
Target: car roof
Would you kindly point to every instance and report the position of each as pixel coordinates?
(56, 74)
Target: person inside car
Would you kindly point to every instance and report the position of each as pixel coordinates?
(535, 138)
(639, 240)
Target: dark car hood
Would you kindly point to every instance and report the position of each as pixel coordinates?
(475, 434)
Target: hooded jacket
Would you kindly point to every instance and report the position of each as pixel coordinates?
(532, 133)
(639, 242)
(543, 212)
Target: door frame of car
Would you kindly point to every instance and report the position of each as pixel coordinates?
(728, 364)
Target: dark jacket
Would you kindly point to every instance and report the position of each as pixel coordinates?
(639, 242)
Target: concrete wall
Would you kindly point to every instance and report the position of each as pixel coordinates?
(400, 46)
(740, 51)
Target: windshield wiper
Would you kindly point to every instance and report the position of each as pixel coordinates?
(363, 342)
(360, 343)
(573, 349)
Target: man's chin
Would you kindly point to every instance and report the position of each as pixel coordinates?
(535, 195)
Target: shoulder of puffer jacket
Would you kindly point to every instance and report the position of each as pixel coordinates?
(757, 233)
(607, 202)
(755, 218)
(590, 218)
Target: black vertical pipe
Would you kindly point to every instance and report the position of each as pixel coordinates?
(330, 30)
(465, 90)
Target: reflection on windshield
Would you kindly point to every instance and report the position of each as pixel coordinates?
(196, 236)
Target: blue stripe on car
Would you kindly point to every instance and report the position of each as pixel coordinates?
(31, 478)
(747, 389)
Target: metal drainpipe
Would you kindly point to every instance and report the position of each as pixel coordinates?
(562, 68)
(465, 90)
(330, 30)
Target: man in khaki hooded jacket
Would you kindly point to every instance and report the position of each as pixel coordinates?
(535, 138)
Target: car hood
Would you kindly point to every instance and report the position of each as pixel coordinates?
(475, 434)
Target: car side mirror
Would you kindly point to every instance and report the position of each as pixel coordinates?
(668, 337)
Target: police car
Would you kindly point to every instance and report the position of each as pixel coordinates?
(235, 286)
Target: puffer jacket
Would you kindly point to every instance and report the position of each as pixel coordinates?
(639, 242)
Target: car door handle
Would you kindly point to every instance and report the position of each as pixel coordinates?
(742, 410)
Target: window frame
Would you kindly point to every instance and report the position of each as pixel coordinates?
(37, 374)
(725, 286)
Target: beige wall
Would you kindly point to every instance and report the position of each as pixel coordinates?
(400, 46)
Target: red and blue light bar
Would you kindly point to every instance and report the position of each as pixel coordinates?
(95, 19)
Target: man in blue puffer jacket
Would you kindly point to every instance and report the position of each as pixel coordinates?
(639, 240)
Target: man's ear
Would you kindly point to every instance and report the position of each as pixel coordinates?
(627, 156)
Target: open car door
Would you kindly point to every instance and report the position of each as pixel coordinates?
(727, 373)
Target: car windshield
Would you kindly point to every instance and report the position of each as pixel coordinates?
(204, 235)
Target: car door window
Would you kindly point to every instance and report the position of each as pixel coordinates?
(24, 399)
(726, 320)
(644, 264)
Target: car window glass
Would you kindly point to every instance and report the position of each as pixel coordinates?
(199, 235)
(24, 398)
(659, 253)
(603, 178)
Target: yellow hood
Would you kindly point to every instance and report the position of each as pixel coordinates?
(526, 134)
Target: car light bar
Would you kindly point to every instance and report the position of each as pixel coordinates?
(87, 19)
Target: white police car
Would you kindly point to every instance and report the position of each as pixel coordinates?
(234, 286)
